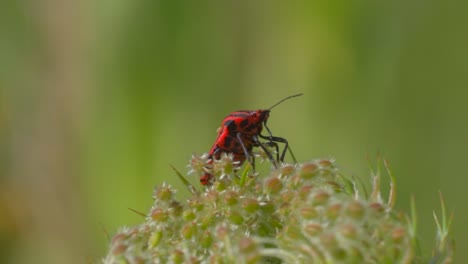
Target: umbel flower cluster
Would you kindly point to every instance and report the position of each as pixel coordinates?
(301, 213)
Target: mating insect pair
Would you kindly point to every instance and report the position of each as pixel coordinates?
(240, 132)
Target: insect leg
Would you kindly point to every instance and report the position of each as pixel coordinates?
(267, 128)
(286, 145)
(276, 140)
(249, 157)
(270, 157)
(271, 143)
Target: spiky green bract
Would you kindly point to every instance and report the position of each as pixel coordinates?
(302, 213)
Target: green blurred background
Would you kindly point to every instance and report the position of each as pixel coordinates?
(97, 98)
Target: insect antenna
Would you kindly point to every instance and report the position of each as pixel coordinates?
(284, 99)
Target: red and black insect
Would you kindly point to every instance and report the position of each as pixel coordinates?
(240, 132)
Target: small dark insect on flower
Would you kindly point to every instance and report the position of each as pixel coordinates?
(240, 131)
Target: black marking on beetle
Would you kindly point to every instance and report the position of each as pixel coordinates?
(236, 144)
(244, 123)
(227, 142)
(231, 125)
(237, 150)
(215, 152)
(251, 127)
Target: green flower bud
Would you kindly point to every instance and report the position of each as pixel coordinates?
(206, 239)
(325, 163)
(230, 198)
(273, 185)
(177, 257)
(196, 204)
(329, 240)
(304, 191)
(398, 235)
(188, 215)
(333, 211)
(211, 196)
(188, 230)
(252, 258)
(163, 193)
(250, 205)
(267, 207)
(355, 210)
(159, 215)
(308, 170)
(206, 221)
(339, 253)
(119, 238)
(222, 231)
(247, 245)
(155, 238)
(118, 249)
(377, 208)
(348, 231)
(293, 232)
(321, 198)
(308, 212)
(175, 208)
(313, 229)
(235, 218)
(222, 185)
(287, 170)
